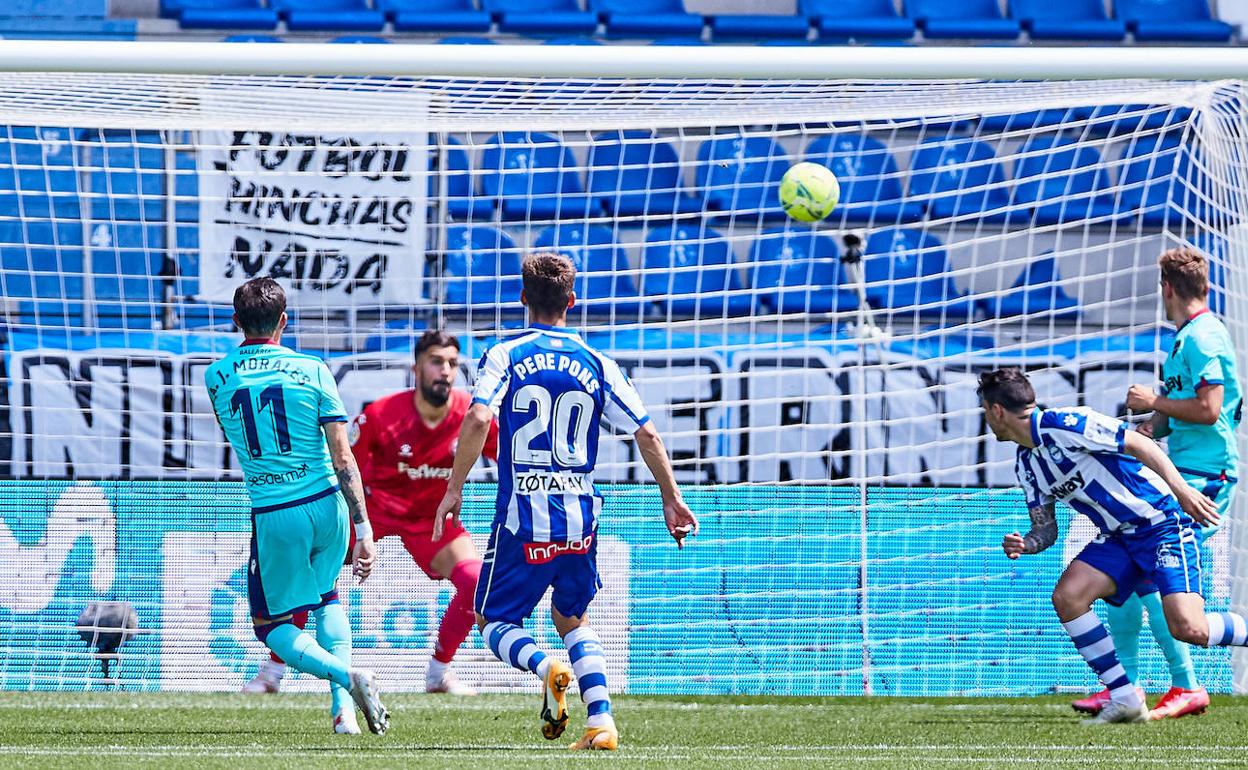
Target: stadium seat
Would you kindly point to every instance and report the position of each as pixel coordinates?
(1027, 121)
(1064, 180)
(604, 281)
(869, 178)
(220, 14)
(1153, 178)
(328, 15)
(857, 19)
(688, 268)
(741, 174)
(571, 41)
(186, 188)
(542, 17)
(126, 262)
(758, 26)
(799, 271)
(631, 173)
(974, 19)
(481, 270)
(125, 171)
(41, 270)
(359, 40)
(1070, 20)
(1119, 119)
(38, 179)
(647, 18)
(533, 176)
(959, 178)
(435, 15)
(461, 201)
(908, 270)
(1036, 291)
(466, 41)
(1172, 20)
(678, 41)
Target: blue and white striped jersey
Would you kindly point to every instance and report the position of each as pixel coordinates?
(1079, 459)
(550, 390)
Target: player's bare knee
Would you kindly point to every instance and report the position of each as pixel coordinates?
(1068, 603)
(1188, 631)
(564, 624)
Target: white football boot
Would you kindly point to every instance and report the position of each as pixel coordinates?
(1116, 712)
(364, 692)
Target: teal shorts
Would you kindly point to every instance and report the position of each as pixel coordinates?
(1220, 490)
(296, 555)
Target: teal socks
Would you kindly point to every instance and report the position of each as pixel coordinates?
(333, 633)
(302, 653)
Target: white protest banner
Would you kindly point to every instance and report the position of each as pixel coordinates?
(338, 220)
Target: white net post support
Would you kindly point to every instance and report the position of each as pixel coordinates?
(1011, 212)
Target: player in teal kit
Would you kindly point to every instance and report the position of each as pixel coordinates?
(1198, 411)
(282, 415)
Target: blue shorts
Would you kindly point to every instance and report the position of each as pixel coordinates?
(515, 575)
(296, 555)
(1164, 557)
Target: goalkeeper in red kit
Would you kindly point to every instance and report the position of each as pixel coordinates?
(404, 444)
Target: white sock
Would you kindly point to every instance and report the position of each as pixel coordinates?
(437, 669)
(272, 669)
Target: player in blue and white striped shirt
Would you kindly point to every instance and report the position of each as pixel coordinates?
(1141, 505)
(550, 390)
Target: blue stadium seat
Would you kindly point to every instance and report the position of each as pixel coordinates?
(1026, 121)
(647, 18)
(186, 188)
(1216, 252)
(41, 268)
(688, 268)
(38, 178)
(220, 14)
(959, 177)
(1070, 20)
(329, 15)
(126, 173)
(974, 19)
(359, 40)
(252, 39)
(1066, 179)
(869, 178)
(1036, 291)
(799, 271)
(1118, 119)
(466, 41)
(741, 174)
(758, 26)
(857, 19)
(571, 41)
(908, 270)
(126, 261)
(461, 202)
(435, 15)
(1153, 178)
(604, 282)
(632, 173)
(678, 41)
(482, 270)
(542, 17)
(1172, 20)
(533, 176)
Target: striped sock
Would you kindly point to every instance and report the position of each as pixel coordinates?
(1097, 648)
(590, 667)
(1227, 629)
(512, 644)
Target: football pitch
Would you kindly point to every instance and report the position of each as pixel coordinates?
(119, 730)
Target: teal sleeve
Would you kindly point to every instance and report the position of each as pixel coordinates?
(331, 408)
(1204, 362)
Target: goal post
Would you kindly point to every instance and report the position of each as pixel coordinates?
(1010, 206)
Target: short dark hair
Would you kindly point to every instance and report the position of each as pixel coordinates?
(1187, 272)
(1008, 387)
(259, 305)
(436, 338)
(548, 280)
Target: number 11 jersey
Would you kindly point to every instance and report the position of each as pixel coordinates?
(271, 403)
(550, 390)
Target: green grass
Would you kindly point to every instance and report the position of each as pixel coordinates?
(116, 730)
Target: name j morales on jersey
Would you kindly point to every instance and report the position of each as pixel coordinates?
(556, 362)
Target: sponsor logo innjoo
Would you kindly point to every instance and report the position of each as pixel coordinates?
(540, 553)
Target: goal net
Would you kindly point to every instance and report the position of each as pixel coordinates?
(852, 502)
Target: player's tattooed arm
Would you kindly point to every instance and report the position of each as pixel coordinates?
(353, 491)
(1043, 531)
